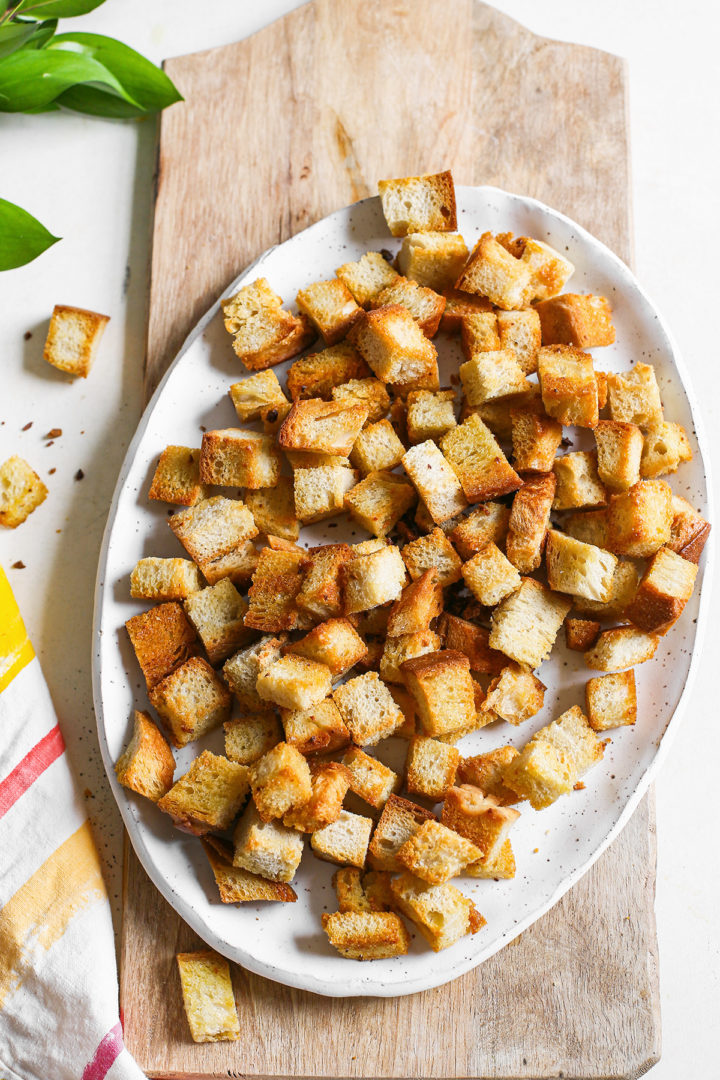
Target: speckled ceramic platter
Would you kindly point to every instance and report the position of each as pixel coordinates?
(554, 847)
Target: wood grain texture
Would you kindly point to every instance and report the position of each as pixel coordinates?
(277, 131)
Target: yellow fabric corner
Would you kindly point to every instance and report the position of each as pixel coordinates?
(15, 646)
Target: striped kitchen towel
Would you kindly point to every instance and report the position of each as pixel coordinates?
(58, 979)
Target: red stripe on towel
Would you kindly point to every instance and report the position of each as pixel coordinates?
(34, 764)
(104, 1057)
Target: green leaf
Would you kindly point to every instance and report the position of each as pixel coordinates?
(63, 9)
(31, 35)
(32, 80)
(93, 101)
(44, 31)
(145, 85)
(22, 237)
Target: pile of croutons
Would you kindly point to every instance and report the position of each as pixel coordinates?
(482, 542)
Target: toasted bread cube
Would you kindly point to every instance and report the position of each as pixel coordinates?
(619, 449)
(489, 576)
(260, 327)
(241, 671)
(273, 417)
(429, 415)
(491, 375)
(345, 841)
(493, 272)
(164, 579)
(469, 638)
(514, 695)
(252, 395)
(218, 614)
(577, 568)
(348, 884)
(177, 477)
(590, 527)
(267, 848)
(397, 650)
(488, 523)
(318, 729)
(314, 375)
(329, 427)
(624, 586)
(640, 519)
(474, 454)
(663, 592)
(634, 397)
(275, 584)
(554, 760)
(369, 778)
(367, 277)
(578, 481)
(435, 480)
(497, 415)
(663, 449)
(425, 305)
(331, 307)
(208, 796)
(280, 781)
(436, 853)
(238, 886)
(368, 709)
(191, 700)
(520, 332)
(535, 439)
(208, 997)
(360, 935)
(458, 306)
(294, 682)
(486, 771)
(433, 552)
(147, 765)
(572, 319)
(419, 604)
(441, 913)
(549, 270)
(370, 392)
(433, 259)
(393, 345)
(430, 768)
(373, 579)
(73, 339)
(526, 623)
(321, 592)
(479, 818)
(621, 648)
(249, 738)
(273, 509)
(399, 821)
(529, 521)
(330, 783)
(568, 385)
(379, 501)
(581, 634)
(319, 493)
(334, 643)
(21, 492)
(441, 685)
(216, 533)
(611, 700)
(502, 867)
(419, 204)
(376, 886)
(689, 531)
(377, 448)
(163, 639)
(478, 334)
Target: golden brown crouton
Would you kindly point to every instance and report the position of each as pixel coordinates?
(21, 492)
(294, 682)
(489, 576)
(619, 449)
(73, 339)
(493, 272)
(368, 709)
(432, 258)
(458, 305)
(501, 867)
(164, 579)
(396, 650)
(568, 385)
(318, 729)
(329, 427)
(238, 886)
(320, 492)
(441, 685)
(430, 767)
(479, 818)
(330, 783)
(208, 997)
(549, 270)
(273, 509)
(577, 568)
(486, 771)
(535, 438)
(321, 590)
(266, 848)
(419, 203)
(514, 695)
(485, 524)
(376, 448)
(435, 480)
(369, 778)
(578, 482)
(689, 531)
(472, 640)
(314, 375)
(216, 533)
(280, 782)
(379, 501)
(664, 448)
(526, 623)
(394, 346)
(345, 841)
(275, 584)
(235, 458)
(640, 519)
(573, 319)
(482, 468)
(399, 821)
(331, 307)
(664, 590)
(611, 700)
(248, 738)
(441, 913)
(334, 643)
(624, 586)
(425, 305)
(373, 578)
(163, 639)
(634, 397)
(367, 277)
(360, 935)
(429, 415)
(419, 604)
(492, 375)
(147, 765)
(621, 648)
(348, 884)
(479, 333)
(581, 634)
(177, 477)
(208, 796)
(218, 615)
(554, 760)
(520, 331)
(242, 669)
(590, 527)
(529, 520)
(263, 333)
(433, 551)
(370, 392)
(436, 853)
(192, 700)
(255, 394)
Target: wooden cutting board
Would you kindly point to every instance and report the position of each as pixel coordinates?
(276, 131)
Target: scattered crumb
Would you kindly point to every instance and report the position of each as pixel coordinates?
(18, 565)
(579, 786)
(54, 433)
(27, 426)
(79, 475)
(51, 471)
(87, 793)
(203, 428)
(58, 530)
(535, 850)
(51, 443)
(27, 335)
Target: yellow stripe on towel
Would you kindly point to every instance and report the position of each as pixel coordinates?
(15, 646)
(37, 915)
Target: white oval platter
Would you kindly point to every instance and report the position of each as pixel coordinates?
(553, 848)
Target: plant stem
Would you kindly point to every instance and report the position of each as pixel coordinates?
(9, 13)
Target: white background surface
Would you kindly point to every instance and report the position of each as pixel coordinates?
(91, 182)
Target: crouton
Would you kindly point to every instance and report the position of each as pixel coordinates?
(241, 671)
(256, 393)
(611, 700)
(318, 729)
(379, 501)
(577, 568)
(373, 579)
(619, 449)
(497, 415)
(549, 270)
(624, 586)
(164, 579)
(621, 648)
(665, 588)
(208, 796)
(491, 375)
(441, 685)
(419, 204)
(360, 935)
(321, 591)
(238, 886)
(479, 334)
(377, 448)
(367, 277)
(396, 650)
(249, 738)
(218, 614)
(294, 682)
(502, 867)
(419, 604)
(334, 643)
(273, 417)
(472, 640)
(177, 477)
(568, 385)
(21, 492)
(147, 765)
(436, 853)
(345, 841)
(320, 492)
(486, 771)
(492, 272)
(191, 700)
(369, 779)
(275, 584)
(535, 439)
(73, 339)
(348, 884)
(208, 997)
(273, 509)
(514, 695)
(663, 449)
(393, 345)
(520, 332)
(590, 527)
(163, 639)
(280, 781)
(263, 333)
(578, 481)
(266, 848)
(330, 783)
(435, 480)
(331, 308)
(429, 415)
(216, 533)
(572, 319)
(441, 913)
(399, 821)
(433, 552)
(640, 519)
(580, 634)
(529, 521)
(329, 427)
(314, 375)
(430, 768)
(489, 576)
(556, 757)
(369, 392)
(368, 709)
(634, 397)
(479, 818)
(481, 467)
(689, 531)
(425, 305)
(488, 523)
(526, 623)
(434, 259)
